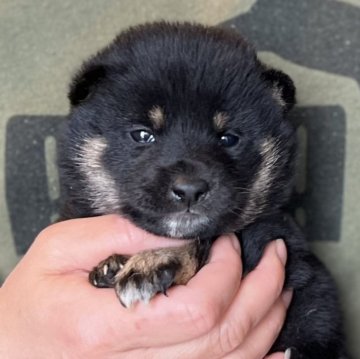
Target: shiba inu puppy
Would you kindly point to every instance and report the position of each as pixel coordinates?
(181, 129)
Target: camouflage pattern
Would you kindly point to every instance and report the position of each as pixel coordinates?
(317, 42)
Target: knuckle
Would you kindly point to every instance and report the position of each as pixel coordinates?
(203, 315)
(114, 221)
(236, 262)
(278, 287)
(49, 234)
(44, 233)
(232, 334)
(276, 282)
(279, 317)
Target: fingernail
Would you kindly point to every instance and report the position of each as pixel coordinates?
(281, 250)
(286, 297)
(287, 354)
(236, 243)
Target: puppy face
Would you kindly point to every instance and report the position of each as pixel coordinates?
(181, 129)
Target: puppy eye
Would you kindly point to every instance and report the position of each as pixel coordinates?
(228, 140)
(142, 136)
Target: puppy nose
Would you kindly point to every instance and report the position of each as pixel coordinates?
(189, 190)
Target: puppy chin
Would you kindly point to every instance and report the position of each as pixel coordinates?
(185, 225)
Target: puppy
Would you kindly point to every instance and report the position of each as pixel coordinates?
(181, 129)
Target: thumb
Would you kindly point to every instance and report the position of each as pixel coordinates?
(82, 243)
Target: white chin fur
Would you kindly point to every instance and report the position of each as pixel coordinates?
(183, 225)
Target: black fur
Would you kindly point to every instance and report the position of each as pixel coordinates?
(192, 73)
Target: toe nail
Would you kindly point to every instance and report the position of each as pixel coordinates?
(122, 303)
(105, 269)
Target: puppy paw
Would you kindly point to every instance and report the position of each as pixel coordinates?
(151, 272)
(103, 275)
(139, 285)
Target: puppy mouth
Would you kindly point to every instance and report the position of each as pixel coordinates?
(187, 224)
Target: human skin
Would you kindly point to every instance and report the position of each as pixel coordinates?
(48, 309)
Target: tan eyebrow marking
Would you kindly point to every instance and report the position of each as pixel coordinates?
(220, 119)
(157, 117)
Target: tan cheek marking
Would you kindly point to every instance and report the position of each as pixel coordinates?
(101, 186)
(263, 180)
(220, 119)
(157, 117)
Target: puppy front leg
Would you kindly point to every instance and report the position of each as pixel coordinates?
(142, 276)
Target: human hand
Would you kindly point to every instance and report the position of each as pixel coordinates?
(49, 310)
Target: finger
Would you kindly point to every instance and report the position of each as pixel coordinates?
(188, 310)
(208, 295)
(82, 243)
(260, 340)
(276, 356)
(257, 343)
(258, 292)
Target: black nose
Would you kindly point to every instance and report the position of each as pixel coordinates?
(189, 190)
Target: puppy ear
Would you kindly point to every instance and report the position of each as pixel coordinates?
(84, 83)
(282, 87)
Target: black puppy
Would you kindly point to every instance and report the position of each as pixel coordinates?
(181, 129)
